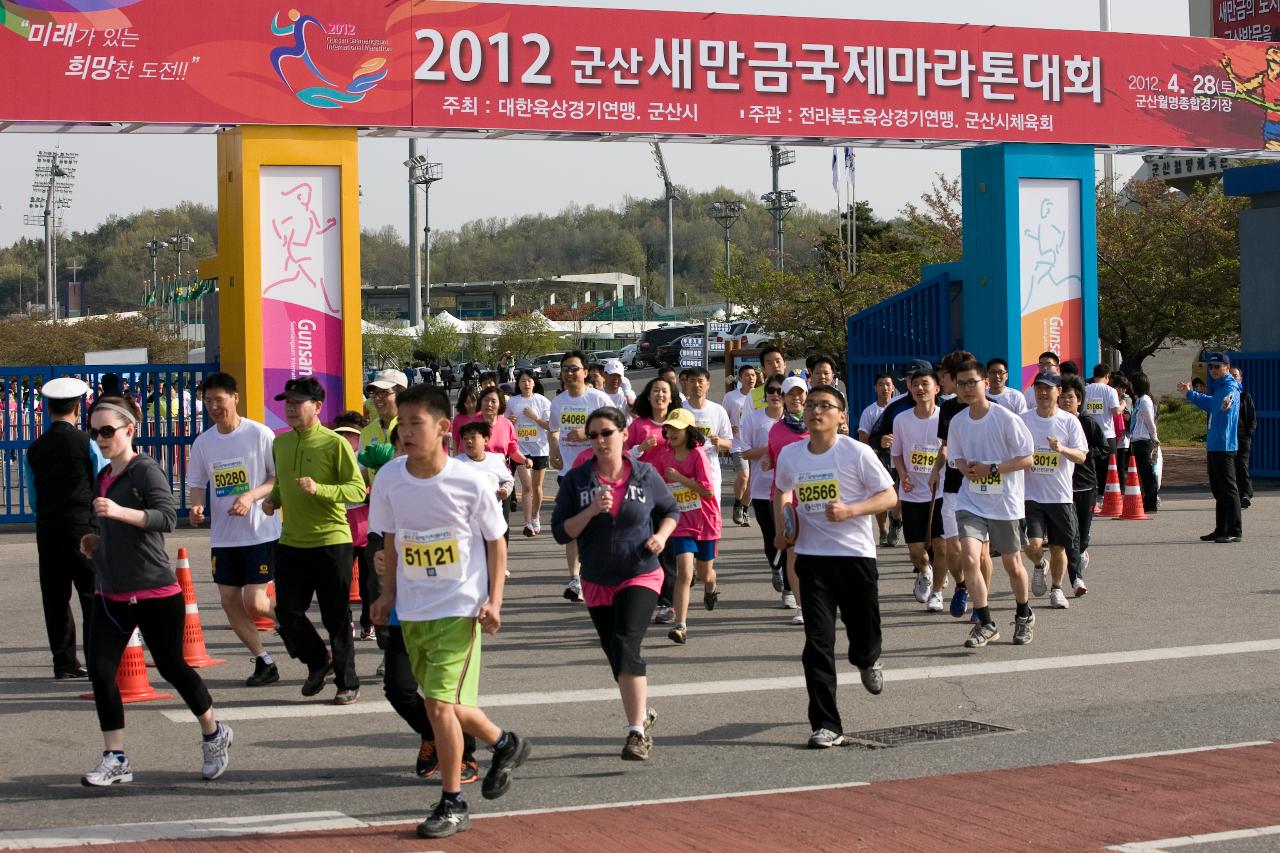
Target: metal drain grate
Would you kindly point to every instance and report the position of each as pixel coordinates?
(922, 733)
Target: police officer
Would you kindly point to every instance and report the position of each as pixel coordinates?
(63, 463)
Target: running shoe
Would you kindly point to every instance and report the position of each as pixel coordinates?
(111, 770)
(789, 601)
(1057, 600)
(934, 603)
(1079, 587)
(959, 602)
(316, 679)
(924, 583)
(637, 747)
(381, 671)
(737, 513)
(1023, 629)
(470, 770)
(427, 761)
(746, 517)
(216, 752)
(678, 635)
(895, 528)
(798, 619)
(664, 616)
(1084, 561)
(776, 579)
(981, 635)
(347, 696)
(872, 678)
(263, 673)
(449, 817)
(825, 739)
(498, 779)
(884, 539)
(1039, 581)
(573, 590)
(710, 597)
(367, 634)
(537, 526)
(650, 717)
(528, 530)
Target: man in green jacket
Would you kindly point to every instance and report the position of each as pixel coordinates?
(316, 477)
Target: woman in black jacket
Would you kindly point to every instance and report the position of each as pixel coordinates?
(620, 512)
(136, 589)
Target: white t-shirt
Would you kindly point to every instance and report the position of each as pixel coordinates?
(1099, 401)
(848, 472)
(1012, 400)
(712, 419)
(1049, 478)
(736, 405)
(493, 466)
(755, 433)
(915, 442)
(568, 413)
(231, 465)
(997, 436)
(622, 399)
(871, 414)
(532, 438)
(441, 524)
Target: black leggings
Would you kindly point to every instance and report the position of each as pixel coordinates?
(402, 691)
(1084, 503)
(621, 627)
(364, 560)
(110, 628)
(768, 531)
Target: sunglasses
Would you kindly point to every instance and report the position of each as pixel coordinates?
(604, 433)
(106, 432)
(774, 390)
(570, 369)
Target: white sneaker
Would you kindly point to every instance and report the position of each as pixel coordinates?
(664, 616)
(825, 739)
(1039, 583)
(924, 583)
(1079, 587)
(1057, 599)
(789, 601)
(1084, 561)
(110, 771)
(934, 604)
(573, 590)
(537, 525)
(217, 752)
(798, 619)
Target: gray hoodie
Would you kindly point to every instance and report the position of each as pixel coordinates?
(128, 558)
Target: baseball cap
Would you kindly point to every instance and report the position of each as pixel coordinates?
(614, 367)
(64, 388)
(1217, 358)
(1047, 377)
(388, 379)
(302, 388)
(793, 382)
(679, 418)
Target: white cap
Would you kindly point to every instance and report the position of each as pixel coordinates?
(387, 379)
(64, 388)
(793, 382)
(614, 366)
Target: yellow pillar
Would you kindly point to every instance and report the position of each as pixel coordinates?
(288, 226)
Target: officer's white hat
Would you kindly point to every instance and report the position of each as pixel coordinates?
(64, 388)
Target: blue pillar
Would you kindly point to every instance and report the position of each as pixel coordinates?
(1030, 254)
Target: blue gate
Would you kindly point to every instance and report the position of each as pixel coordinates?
(171, 419)
(1261, 374)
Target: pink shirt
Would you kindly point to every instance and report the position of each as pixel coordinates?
(639, 431)
(780, 437)
(358, 521)
(702, 523)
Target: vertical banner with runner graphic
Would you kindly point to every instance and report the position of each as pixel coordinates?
(1049, 271)
(301, 232)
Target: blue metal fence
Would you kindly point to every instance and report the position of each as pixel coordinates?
(171, 419)
(888, 336)
(1261, 373)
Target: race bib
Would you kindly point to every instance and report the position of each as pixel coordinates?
(429, 554)
(1094, 407)
(1045, 462)
(687, 500)
(527, 433)
(230, 477)
(572, 419)
(816, 489)
(706, 429)
(921, 459)
(992, 484)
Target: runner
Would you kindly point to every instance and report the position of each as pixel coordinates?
(668, 373)
(568, 438)
(348, 425)
(838, 486)
(886, 391)
(823, 371)
(755, 437)
(773, 361)
(474, 441)
(645, 440)
(991, 446)
(881, 438)
(375, 449)
(1102, 404)
(997, 376)
(443, 530)
(736, 403)
(611, 505)
(1048, 362)
(234, 459)
(685, 469)
(948, 407)
(137, 589)
(316, 477)
(1060, 445)
(915, 454)
(711, 418)
(1084, 480)
(530, 411)
(617, 388)
(789, 429)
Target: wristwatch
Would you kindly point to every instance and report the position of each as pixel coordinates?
(995, 470)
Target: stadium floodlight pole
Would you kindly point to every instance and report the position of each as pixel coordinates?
(779, 203)
(670, 192)
(50, 192)
(153, 247)
(180, 242)
(726, 213)
(425, 174)
(415, 242)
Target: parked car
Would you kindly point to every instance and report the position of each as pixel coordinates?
(549, 365)
(747, 334)
(651, 339)
(600, 356)
(628, 357)
(531, 366)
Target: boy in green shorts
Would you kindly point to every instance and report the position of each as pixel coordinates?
(443, 533)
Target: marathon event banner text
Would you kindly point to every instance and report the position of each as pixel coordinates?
(562, 70)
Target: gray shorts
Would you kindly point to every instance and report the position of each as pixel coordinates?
(737, 463)
(1006, 536)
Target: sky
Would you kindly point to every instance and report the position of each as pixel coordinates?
(124, 174)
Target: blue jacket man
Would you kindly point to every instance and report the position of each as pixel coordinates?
(1222, 403)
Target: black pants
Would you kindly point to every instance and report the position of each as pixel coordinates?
(325, 574)
(763, 509)
(621, 627)
(1101, 466)
(374, 584)
(364, 559)
(161, 621)
(828, 583)
(1222, 482)
(667, 561)
(1084, 501)
(1244, 483)
(62, 567)
(1144, 453)
(401, 690)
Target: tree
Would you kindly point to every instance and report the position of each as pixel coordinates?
(385, 345)
(1168, 267)
(935, 225)
(439, 340)
(24, 341)
(525, 334)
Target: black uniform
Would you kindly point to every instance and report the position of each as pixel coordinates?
(62, 473)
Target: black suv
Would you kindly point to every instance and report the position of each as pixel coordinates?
(651, 340)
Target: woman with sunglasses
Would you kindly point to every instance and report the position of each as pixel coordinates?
(136, 589)
(530, 411)
(609, 506)
(756, 425)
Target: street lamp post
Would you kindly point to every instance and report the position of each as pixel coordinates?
(180, 242)
(779, 204)
(726, 213)
(153, 247)
(425, 174)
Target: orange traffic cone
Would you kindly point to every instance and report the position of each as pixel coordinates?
(193, 650)
(131, 677)
(266, 623)
(1112, 498)
(1133, 510)
(354, 595)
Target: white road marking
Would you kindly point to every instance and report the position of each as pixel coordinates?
(1104, 759)
(753, 685)
(222, 827)
(1195, 840)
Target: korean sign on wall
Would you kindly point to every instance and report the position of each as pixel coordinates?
(559, 70)
(1256, 20)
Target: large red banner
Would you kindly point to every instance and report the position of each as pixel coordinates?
(481, 66)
